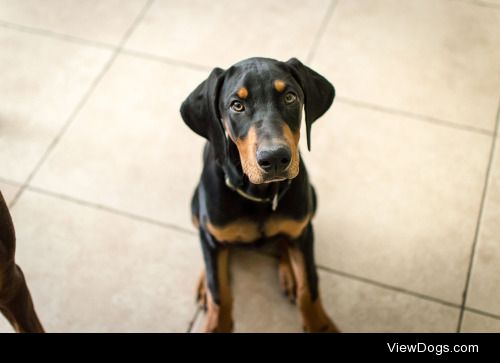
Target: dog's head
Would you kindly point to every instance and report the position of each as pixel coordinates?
(258, 104)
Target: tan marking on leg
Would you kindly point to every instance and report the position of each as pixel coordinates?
(219, 317)
(292, 140)
(195, 221)
(247, 150)
(281, 225)
(240, 231)
(242, 93)
(279, 85)
(314, 317)
(201, 291)
(285, 271)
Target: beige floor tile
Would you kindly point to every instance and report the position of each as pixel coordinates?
(223, 32)
(4, 326)
(484, 288)
(487, 2)
(44, 81)
(129, 148)
(103, 21)
(355, 306)
(91, 270)
(475, 323)
(436, 58)
(8, 191)
(398, 198)
(255, 285)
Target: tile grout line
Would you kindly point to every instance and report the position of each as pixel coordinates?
(483, 313)
(10, 182)
(112, 210)
(82, 102)
(261, 253)
(484, 4)
(321, 30)
(166, 60)
(478, 223)
(415, 116)
(387, 286)
(56, 35)
(92, 43)
(197, 313)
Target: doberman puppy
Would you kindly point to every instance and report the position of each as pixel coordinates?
(254, 185)
(15, 299)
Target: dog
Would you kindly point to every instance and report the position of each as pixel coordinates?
(254, 186)
(15, 299)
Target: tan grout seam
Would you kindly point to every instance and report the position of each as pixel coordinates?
(82, 102)
(112, 210)
(56, 35)
(478, 223)
(197, 313)
(10, 182)
(415, 116)
(388, 287)
(166, 60)
(483, 313)
(321, 30)
(101, 45)
(480, 3)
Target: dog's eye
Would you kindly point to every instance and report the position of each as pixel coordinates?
(237, 106)
(290, 97)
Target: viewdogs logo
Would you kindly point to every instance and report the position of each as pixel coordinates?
(418, 348)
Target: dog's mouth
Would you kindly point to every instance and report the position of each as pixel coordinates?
(273, 179)
(265, 177)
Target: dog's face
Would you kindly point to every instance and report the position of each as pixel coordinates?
(258, 104)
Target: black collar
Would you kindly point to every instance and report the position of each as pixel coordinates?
(274, 200)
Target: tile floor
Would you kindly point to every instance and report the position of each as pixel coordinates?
(98, 167)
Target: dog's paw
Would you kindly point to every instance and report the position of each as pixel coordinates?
(287, 279)
(201, 292)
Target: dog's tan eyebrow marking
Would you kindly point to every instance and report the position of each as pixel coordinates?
(242, 93)
(279, 85)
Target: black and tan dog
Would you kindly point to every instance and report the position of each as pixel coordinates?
(15, 299)
(254, 185)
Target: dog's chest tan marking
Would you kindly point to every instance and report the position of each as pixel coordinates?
(247, 231)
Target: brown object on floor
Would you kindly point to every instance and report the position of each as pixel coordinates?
(15, 299)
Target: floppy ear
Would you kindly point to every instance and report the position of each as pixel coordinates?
(200, 112)
(318, 93)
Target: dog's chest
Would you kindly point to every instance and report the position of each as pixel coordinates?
(244, 230)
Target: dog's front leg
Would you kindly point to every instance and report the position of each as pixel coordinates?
(219, 300)
(301, 252)
(15, 300)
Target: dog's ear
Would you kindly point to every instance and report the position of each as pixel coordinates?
(318, 93)
(200, 112)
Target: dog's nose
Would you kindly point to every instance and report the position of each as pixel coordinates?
(274, 159)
